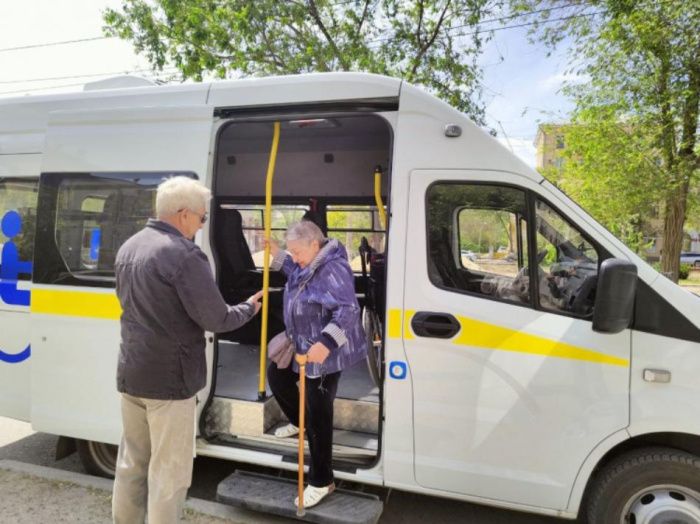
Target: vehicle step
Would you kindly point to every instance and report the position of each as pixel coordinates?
(276, 495)
(255, 418)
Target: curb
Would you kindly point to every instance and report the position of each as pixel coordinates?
(204, 507)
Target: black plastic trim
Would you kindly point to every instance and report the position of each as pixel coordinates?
(362, 105)
(654, 314)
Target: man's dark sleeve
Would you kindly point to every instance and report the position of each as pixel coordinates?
(202, 299)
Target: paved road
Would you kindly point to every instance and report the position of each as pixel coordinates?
(19, 442)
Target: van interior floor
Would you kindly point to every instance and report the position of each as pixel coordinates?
(239, 366)
(237, 418)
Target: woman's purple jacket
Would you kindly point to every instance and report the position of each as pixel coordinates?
(320, 305)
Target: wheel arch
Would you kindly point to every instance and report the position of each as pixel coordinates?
(615, 446)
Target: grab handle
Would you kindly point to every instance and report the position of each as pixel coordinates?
(434, 325)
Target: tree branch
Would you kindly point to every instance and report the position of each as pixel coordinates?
(424, 48)
(317, 17)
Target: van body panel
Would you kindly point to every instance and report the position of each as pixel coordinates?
(314, 87)
(510, 420)
(589, 466)
(658, 407)
(15, 325)
(15, 361)
(134, 139)
(73, 367)
(67, 332)
(29, 115)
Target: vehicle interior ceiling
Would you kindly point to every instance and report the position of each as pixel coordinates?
(325, 173)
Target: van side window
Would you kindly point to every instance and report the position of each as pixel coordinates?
(477, 238)
(567, 264)
(252, 224)
(18, 202)
(350, 224)
(85, 218)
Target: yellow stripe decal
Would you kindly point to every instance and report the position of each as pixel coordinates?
(75, 304)
(489, 336)
(394, 327)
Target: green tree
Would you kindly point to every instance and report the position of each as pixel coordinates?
(641, 60)
(421, 41)
(611, 169)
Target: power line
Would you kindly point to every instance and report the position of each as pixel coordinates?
(49, 44)
(127, 72)
(491, 20)
(46, 88)
(516, 26)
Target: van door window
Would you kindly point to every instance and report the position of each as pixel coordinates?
(567, 265)
(18, 201)
(477, 240)
(85, 218)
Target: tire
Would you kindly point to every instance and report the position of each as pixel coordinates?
(373, 333)
(98, 458)
(646, 486)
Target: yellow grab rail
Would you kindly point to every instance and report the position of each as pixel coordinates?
(266, 260)
(378, 195)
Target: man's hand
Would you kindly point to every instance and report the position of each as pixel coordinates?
(274, 246)
(318, 353)
(255, 300)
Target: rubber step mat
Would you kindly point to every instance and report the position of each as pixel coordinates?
(276, 495)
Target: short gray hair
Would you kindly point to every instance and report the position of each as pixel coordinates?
(305, 231)
(180, 192)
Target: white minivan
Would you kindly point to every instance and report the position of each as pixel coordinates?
(551, 370)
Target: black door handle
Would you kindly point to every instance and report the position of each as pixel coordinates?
(436, 325)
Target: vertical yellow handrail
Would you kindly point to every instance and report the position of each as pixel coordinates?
(378, 195)
(266, 260)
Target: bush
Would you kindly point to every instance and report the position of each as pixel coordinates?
(684, 271)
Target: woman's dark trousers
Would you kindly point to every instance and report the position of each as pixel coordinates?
(320, 394)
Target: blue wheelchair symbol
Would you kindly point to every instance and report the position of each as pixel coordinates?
(10, 269)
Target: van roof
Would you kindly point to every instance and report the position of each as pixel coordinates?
(28, 116)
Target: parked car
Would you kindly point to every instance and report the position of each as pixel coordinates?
(469, 255)
(691, 258)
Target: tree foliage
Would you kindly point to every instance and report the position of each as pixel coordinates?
(641, 63)
(610, 168)
(426, 42)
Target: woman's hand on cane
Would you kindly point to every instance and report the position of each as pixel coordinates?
(318, 353)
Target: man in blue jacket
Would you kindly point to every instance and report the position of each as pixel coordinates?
(169, 299)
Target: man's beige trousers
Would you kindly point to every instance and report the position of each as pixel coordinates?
(154, 465)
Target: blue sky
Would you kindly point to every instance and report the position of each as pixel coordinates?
(520, 89)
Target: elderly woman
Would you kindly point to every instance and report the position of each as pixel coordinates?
(322, 318)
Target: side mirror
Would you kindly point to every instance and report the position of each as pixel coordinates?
(614, 302)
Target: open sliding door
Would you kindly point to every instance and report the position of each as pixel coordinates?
(97, 188)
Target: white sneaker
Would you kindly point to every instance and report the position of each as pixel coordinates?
(287, 431)
(314, 495)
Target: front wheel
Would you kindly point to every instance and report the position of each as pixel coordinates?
(648, 486)
(98, 458)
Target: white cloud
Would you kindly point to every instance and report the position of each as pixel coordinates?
(522, 147)
(557, 80)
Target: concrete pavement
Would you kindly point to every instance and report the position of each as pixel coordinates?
(34, 494)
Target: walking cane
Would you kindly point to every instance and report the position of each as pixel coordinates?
(301, 360)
